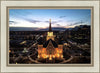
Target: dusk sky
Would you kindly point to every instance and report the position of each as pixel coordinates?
(39, 18)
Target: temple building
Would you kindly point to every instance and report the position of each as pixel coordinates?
(50, 33)
(50, 50)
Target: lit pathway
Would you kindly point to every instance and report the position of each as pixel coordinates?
(67, 60)
(33, 60)
(31, 46)
(20, 56)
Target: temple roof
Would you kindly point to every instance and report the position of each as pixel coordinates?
(47, 42)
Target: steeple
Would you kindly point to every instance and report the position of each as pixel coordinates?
(50, 29)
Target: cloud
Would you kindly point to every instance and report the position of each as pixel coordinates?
(32, 20)
(53, 22)
(58, 24)
(46, 21)
(12, 22)
(76, 23)
(62, 16)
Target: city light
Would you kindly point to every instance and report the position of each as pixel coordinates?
(9, 51)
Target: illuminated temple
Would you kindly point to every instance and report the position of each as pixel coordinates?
(50, 50)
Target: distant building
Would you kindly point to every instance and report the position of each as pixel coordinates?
(50, 50)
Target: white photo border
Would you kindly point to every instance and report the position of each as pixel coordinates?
(3, 43)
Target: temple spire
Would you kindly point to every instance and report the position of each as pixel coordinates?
(50, 29)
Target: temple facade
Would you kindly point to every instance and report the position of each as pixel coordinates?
(50, 50)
